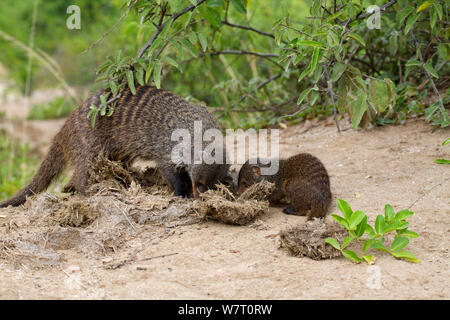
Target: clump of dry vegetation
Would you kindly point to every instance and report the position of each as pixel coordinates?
(309, 239)
(121, 203)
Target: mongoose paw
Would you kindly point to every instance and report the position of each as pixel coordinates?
(290, 210)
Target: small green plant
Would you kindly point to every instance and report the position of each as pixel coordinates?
(356, 225)
(443, 161)
(57, 108)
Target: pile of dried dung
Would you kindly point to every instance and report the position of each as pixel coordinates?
(113, 214)
(309, 239)
(221, 204)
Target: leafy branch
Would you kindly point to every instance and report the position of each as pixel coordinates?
(355, 222)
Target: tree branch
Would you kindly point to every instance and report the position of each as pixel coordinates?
(368, 14)
(267, 34)
(161, 26)
(331, 93)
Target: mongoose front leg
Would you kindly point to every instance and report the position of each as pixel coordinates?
(180, 181)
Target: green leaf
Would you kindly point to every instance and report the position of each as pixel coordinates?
(361, 228)
(403, 214)
(424, 5)
(380, 224)
(413, 63)
(431, 70)
(355, 219)
(140, 76)
(370, 231)
(213, 16)
(447, 141)
(346, 242)
(303, 95)
(358, 38)
(333, 242)
(338, 70)
(442, 161)
(439, 10)
(433, 17)
(130, 79)
(157, 75)
(149, 71)
(402, 14)
(202, 39)
(396, 225)
(408, 233)
(367, 244)
(406, 255)
(389, 213)
(369, 259)
(399, 243)
(103, 104)
(345, 208)
(410, 22)
(357, 108)
(240, 6)
(113, 87)
(340, 220)
(92, 114)
(349, 254)
(188, 46)
(332, 39)
(379, 245)
(314, 60)
(172, 62)
(303, 74)
(309, 43)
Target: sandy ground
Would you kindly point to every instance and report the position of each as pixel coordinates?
(392, 164)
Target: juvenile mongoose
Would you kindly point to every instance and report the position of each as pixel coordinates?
(140, 127)
(301, 179)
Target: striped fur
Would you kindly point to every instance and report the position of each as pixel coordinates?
(141, 126)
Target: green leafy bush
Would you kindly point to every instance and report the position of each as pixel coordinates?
(328, 58)
(356, 224)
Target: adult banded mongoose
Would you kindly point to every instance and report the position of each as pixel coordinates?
(140, 127)
(301, 179)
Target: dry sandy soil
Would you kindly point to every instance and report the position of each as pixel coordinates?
(210, 260)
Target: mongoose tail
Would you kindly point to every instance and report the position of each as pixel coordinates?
(50, 168)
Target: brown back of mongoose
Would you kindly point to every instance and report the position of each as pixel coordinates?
(301, 179)
(140, 127)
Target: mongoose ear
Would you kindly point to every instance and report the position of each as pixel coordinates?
(256, 170)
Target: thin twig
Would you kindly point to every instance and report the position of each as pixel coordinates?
(368, 14)
(331, 93)
(428, 191)
(96, 42)
(267, 34)
(161, 26)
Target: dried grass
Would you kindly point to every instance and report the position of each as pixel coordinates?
(119, 204)
(309, 239)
